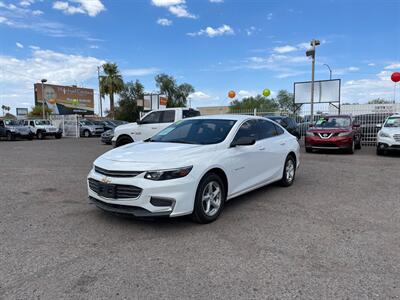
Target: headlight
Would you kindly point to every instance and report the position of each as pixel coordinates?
(384, 134)
(168, 174)
(344, 133)
(309, 133)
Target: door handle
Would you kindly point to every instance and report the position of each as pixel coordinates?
(261, 148)
(153, 127)
(283, 144)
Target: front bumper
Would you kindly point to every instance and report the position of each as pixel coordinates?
(179, 192)
(316, 142)
(388, 143)
(106, 139)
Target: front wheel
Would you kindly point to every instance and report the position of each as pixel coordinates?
(380, 151)
(351, 149)
(289, 171)
(86, 133)
(210, 199)
(40, 135)
(358, 145)
(10, 136)
(58, 136)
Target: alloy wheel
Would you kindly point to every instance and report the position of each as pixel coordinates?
(290, 171)
(211, 198)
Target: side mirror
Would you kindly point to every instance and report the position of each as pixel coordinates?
(378, 125)
(356, 125)
(244, 141)
(138, 121)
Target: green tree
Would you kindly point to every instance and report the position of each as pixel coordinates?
(5, 108)
(37, 111)
(259, 102)
(379, 101)
(111, 83)
(127, 109)
(285, 101)
(177, 95)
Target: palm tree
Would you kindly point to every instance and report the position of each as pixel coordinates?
(111, 83)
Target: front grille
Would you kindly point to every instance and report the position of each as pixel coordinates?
(114, 191)
(396, 137)
(116, 173)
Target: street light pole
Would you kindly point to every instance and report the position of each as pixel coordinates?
(100, 103)
(330, 71)
(43, 100)
(311, 52)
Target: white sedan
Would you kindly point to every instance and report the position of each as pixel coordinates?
(193, 167)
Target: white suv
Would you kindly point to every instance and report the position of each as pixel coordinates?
(388, 137)
(43, 128)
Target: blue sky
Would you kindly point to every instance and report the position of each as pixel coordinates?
(216, 45)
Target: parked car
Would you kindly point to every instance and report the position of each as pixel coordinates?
(193, 167)
(106, 137)
(12, 129)
(388, 137)
(43, 128)
(368, 124)
(150, 124)
(87, 128)
(334, 132)
(288, 123)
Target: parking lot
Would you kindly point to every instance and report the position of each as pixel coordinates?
(334, 234)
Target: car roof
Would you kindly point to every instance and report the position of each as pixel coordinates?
(228, 117)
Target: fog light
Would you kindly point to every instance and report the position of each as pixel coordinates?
(156, 201)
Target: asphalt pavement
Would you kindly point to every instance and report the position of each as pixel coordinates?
(334, 234)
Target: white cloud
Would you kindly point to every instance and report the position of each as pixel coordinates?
(213, 32)
(94, 47)
(342, 71)
(33, 47)
(19, 45)
(167, 3)
(251, 30)
(371, 64)
(269, 16)
(199, 95)
(140, 71)
(37, 12)
(164, 22)
(26, 3)
(245, 94)
(181, 12)
(393, 66)
(89, 7)
(285, 49)
(19, 75)
(216, 1)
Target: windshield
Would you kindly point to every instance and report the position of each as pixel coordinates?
(393, 122)
(333, 122)
(85, 122)
(42, 122)
(11, 122)
(201, 132)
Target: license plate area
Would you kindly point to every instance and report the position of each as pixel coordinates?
(107, 190)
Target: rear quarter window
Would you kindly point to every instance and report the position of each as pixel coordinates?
(190, 113)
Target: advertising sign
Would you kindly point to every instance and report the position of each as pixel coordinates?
(22, 112)
(65, 100)
(154, 101)
(325, 91)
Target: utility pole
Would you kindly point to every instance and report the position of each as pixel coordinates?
(100, 102)
(311, 52)
(43, 100)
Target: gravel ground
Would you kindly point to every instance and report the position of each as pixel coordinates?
(334, 234)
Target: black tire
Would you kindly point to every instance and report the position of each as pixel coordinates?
(123, 140)
(380, 151)
(287, 180)
(40, 135)
(199, 214)
(86, 133)
(10, 136)
(58, 136)
(308, 149)
(30, 137)
(350, 150)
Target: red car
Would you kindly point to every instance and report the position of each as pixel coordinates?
(334, 132)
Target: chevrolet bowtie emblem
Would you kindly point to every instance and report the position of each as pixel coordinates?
(106, 180)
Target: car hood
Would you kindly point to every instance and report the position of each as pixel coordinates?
(328, 130)
(155, 153)
(391, 130)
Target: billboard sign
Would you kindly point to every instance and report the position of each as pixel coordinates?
(325, 91)
(65, 100)
(154, 101)
(22, 112)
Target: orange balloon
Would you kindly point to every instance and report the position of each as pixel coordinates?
(231, 94)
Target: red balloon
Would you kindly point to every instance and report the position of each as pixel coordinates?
(395, 77)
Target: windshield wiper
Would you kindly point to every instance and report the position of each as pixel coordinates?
(180, 142)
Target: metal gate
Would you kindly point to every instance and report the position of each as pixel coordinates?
(68, 123)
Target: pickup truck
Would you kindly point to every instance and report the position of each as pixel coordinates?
(12, 129)
(151, 123)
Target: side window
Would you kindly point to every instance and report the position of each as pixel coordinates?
(248, 129)
(152, 118)
(32, 123)
(266, 129)
(190, 113)
(168, 116)
(1, 123)
(279, 130)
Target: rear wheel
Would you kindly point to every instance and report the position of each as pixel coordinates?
(380, 151)
(308, 149)
(358, 145)
(58, 136)
(10, 136)
(210, 199)
(289, 171)
(86, 133)
(40, 135)
(351, 149)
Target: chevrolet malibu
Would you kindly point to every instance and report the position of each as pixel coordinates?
(193, 167)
